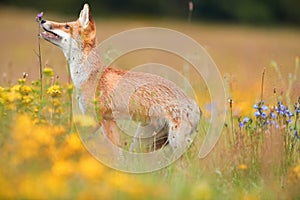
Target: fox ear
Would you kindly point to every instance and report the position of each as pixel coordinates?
(84, 16)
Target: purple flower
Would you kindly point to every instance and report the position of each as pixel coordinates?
(289, 113)
(246, 120)
(39, 16)
(257, 113)
(264, 107)
(273, 115)
(281, 112)
(241, 124)
(255, 106)
(264, 115)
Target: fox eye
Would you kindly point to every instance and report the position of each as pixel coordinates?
(67, 26)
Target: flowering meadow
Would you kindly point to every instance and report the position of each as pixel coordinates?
(256, 157)
(42, 155)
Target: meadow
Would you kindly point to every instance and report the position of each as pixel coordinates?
(257, 156)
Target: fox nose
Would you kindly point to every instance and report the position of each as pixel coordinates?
(43, 21)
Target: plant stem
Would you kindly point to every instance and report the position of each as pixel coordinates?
(40, 62)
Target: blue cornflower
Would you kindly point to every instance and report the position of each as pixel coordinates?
(289, 113)
(264, 107)
(281, 112)
(273, 115)
(289, 120)
(257, 113)
(263, 115)
(255, 106)
(281, 106)
(246, 119)
(242, 124)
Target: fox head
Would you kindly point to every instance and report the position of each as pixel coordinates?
(72, 36)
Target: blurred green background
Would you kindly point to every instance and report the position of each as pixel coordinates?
(237, 11)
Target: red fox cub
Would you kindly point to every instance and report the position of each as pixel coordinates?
(155, 103)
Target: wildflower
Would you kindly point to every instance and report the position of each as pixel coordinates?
(48, 71)
(25, 89)
(257, 113)
(12, 96)
(27, 99)
(294, 174)
(90, 168)
(56, 102)
(15, 88)
(289, 113)
(54, 90)
(273, 115)
(255, 106)
(243, 167)
(264, 107)
(73, 142)
(39, 16)
(246, 119)
(36, 110)
(264, 115)
(21, 80)
(59, 110)
(280, 108)
(70, 88)
(63, 168)
(242, 124)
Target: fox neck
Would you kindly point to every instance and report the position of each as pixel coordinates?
(82, 63)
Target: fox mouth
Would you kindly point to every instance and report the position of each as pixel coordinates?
(50, 35)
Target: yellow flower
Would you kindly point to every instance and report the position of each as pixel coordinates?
(21, 80)
(90, 168)
(56, 102)
(48, 71)
(243, 167)
(63, 168)
(119, 180)
(12, 96)
(15, 88)
(25, 89)
(27, 99)
(70, 88)
(294, 175)
(73, 142)
(36, 110)
(59, 110)
(54, 90)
